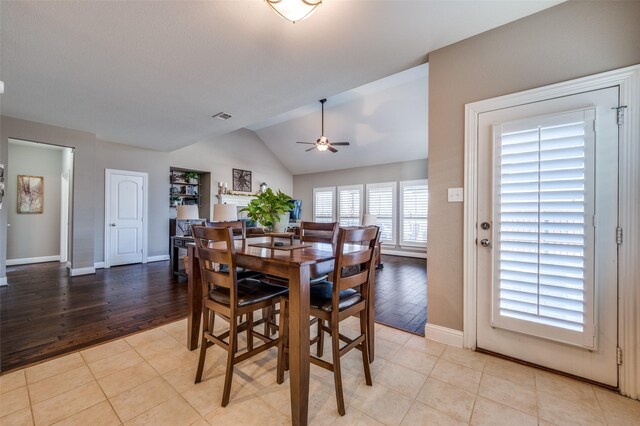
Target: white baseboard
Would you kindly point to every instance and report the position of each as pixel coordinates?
(29, 260)
(98, 265)
(404, 253)
(157, 258)
(444, 335)
(82, 271)
(3, 281)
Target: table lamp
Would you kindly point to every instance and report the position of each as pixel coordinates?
(369, 220)
(187, 212)
(225, 213)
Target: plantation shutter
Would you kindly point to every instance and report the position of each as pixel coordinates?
(349, 205)
(415, 207)
(381, 203)
(544, 199)
(323, 201)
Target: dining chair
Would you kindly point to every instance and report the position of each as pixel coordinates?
(347, 295)
(230, 298)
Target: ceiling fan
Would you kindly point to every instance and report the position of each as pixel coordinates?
(323, 144)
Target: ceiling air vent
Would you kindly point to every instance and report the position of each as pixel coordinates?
(222, 116)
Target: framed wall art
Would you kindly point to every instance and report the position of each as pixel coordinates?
(30, 194)
(241, 180)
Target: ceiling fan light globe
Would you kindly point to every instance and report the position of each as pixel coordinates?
(323, 147)
(294, 10)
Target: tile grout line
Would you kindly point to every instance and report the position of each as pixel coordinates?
(101, 390)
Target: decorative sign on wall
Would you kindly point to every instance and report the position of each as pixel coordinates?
(30, 194)
(241, 180)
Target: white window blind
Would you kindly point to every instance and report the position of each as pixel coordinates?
(323, 204)
(544, 200)
(414, 205)
(381, 202)
(349, 205)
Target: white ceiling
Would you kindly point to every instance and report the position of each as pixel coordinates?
(151, 74)
(385, 122)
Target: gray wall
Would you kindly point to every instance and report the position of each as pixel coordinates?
(393, 172)
(568, 41)
(34, 235)
(241, 149)
(84, 172)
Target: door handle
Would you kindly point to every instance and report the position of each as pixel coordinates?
(112, 224)
(485, 242)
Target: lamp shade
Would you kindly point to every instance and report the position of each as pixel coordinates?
(187, 212)
(225, 213)
(294, 10)
(369, 220)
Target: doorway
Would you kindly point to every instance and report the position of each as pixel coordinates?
(126, 200)
(39, 198)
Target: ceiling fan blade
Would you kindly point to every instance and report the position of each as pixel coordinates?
(340, 143)
(310, 149)
(332, 149)
(307, 143)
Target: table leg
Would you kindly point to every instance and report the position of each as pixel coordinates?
(194, 307)
(299, 343)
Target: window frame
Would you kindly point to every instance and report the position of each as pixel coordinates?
(394, 208)
(331, 189)
(360, 188)
(401, 216)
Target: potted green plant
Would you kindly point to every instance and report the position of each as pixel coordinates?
(270, 209)
(174, 200)
(192, 177)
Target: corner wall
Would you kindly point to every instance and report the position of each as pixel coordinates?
(571, 40)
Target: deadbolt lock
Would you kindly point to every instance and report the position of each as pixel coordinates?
(485, 243)
(485, 225)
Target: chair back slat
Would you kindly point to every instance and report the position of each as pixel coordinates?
(239, 227)
(363, 260)
(319, 232)
(216, 247)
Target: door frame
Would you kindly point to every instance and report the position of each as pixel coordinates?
(628, 80)
(107, 211)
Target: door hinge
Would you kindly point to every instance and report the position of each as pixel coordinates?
(619, 235)
(619, 356)
(620, 114)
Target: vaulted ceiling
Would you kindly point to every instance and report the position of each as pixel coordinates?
(152, 74)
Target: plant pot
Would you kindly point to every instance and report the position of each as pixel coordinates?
(282, 224)
(193, 181)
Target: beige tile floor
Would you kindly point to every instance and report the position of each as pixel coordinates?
(147, 379)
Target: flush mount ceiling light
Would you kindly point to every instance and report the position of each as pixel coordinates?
(294, 10)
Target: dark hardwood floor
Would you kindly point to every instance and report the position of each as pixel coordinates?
(45, 313)
(401, 293)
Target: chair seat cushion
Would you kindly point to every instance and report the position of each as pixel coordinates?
(321, 297)
(250, 291)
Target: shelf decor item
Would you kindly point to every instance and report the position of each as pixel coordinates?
(30, 194)
(269, 209)
(241, 180)
(192, 177)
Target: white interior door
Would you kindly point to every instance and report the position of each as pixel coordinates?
(125, 218)
(547, 219)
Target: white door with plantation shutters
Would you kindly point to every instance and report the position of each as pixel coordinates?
(547, 218)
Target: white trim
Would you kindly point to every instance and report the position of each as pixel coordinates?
(107, 211)
(628, 79)
(30, 260)
(98, 265)
(82, 271)
(3, 281)
(160, 258)
(391, 252)
(445, 335)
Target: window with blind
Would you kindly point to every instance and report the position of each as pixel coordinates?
(544, 203)
(349, 205)
(323, 204)
(381, 202)
(414, 206)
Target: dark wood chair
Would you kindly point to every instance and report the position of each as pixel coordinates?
(230, 298)
(333, 302)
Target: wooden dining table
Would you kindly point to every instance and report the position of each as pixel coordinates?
(297, 266)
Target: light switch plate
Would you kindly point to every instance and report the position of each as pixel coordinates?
(456, 195)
